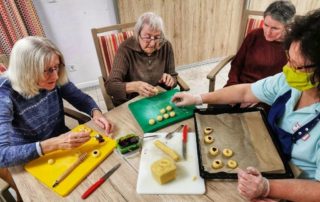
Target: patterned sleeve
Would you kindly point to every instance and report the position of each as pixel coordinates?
(78, 99)
(11, 155)
(116, 85)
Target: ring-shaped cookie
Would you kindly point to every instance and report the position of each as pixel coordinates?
(216, 164)
(232, 164)
(227, 153)
(208, 139)
(95, 153)
(207, 130)
(214, 151)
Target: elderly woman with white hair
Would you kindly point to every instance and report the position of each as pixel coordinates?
(31, 92)
(142, 62)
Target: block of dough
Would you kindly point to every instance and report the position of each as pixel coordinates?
(163, 147)
(164, 170)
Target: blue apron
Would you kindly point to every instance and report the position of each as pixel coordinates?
(287, 139)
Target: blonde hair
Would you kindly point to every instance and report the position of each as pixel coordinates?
(151, 19)
(27, 63)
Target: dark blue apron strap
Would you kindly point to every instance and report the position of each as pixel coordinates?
(277, 109)
(305, 129)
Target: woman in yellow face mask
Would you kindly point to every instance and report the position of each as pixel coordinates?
(294, 96)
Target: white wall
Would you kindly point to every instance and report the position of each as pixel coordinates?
(68, 24)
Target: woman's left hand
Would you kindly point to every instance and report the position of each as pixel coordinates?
(167, 79)
(101, 121)
(251, 184)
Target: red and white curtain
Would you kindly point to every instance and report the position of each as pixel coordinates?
(18, 18)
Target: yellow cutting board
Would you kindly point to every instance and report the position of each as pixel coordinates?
(63, 159)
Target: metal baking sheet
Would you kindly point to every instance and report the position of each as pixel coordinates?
(247, 134)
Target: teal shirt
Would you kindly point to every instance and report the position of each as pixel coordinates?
(306, 151)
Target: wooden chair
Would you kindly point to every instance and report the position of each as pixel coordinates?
(250, 20)
(107, 41)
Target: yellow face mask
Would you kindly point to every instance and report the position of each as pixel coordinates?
(298, 80)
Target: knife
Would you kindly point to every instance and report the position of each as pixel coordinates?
(100, 181)
(184, 141)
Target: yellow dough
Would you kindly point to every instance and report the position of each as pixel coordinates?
(208, 139)
(173, 154)
(165, 116)
(232, 164)
(155, 90)
(152, 121)
(207, 130)
(214, 151)
(159, 118)
(168, 108)
(95, 153)
(162, 111)
(172, 114)
(164, 170)
(50, 161)
(227, 153)
(216, 164)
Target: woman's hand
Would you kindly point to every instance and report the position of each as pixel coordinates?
(167, 79)
(67, 140)
(144, 89)
(252, 185)
(101, 121)
(185, 99)
(247, 105)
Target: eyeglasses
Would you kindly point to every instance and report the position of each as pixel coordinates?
(148, 39)
(298, 67)
(48, 72)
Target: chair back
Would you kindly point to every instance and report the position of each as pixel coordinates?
(250, 20)
(107, 41)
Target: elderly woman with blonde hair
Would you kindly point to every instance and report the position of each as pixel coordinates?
(142, 62)
(31, 92)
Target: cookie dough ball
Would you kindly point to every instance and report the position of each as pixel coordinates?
(172, 114)
(50, 161)
(232, 164)
(159, 118)
(162, 111)
(217, 164)
(152, 121)
(155, 90)
(168, 108)
(208, 139)
(165, 116)
(227, 153)
(214, 151)
(207, 130)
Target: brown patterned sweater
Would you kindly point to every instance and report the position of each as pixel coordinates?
(131, 63)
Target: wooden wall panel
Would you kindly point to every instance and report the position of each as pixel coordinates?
(302, 6)
(198, 30)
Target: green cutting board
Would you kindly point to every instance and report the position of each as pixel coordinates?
(150, 107)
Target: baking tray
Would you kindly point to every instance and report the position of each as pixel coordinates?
(205, 173)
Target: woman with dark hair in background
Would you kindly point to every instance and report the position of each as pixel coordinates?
(294, 96)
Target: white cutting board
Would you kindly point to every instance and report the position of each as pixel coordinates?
(188, 180)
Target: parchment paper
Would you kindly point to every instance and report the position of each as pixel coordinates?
(246, 135)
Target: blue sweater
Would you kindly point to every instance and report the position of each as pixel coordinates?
(23, 122)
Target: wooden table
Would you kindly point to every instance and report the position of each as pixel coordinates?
(122, 184)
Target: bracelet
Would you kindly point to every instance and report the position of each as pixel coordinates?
(198, 99)
(266, 187)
